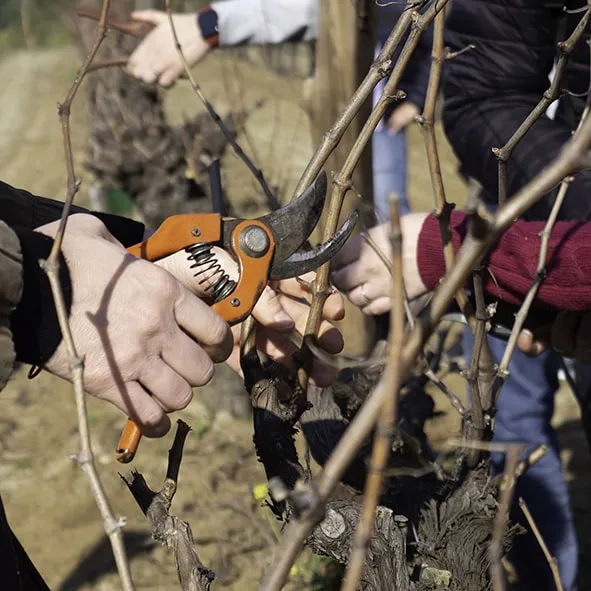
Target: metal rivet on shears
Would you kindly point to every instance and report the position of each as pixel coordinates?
(254, 241)
(196, 232)
(235, 302)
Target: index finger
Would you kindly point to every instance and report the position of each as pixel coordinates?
(300, 288)
(203, 325)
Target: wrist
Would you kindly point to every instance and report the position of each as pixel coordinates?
(207, 22)
(34, 322)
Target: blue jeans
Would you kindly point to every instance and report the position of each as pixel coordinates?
(524, 412)
(389, 171)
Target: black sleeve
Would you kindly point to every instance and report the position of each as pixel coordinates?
(491, 89)
(20, 208)
(34, 324)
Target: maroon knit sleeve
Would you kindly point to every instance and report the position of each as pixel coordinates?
(513, 260)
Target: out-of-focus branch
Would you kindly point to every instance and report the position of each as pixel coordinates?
(388, 417)
(565, 47)
(272, 202)
(51, 266)
(570, 160)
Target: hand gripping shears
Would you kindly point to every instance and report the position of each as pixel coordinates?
(266, 248)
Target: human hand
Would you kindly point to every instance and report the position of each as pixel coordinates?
(145, 339)
(569, 335)
(403, 115)
(359, 272)
(282, 309)
(156, 58)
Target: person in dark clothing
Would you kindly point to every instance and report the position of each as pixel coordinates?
(145, 336)
(489, 91)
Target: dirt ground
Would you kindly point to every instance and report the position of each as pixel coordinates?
(46, 495)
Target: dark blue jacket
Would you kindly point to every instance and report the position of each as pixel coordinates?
(491, 89)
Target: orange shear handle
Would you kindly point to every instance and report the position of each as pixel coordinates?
(178, 232)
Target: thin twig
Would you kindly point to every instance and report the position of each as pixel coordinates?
(506, 496)
(388, 417)
(533, 458)
(551, 559)
(476, 431)
(85, 457)
(272, 202)
(569, 161)
(550, 95)
(443, 208)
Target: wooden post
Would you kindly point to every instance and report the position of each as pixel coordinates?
(344, 53)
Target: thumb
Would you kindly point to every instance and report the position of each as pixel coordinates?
(150, 16)
(270, 313)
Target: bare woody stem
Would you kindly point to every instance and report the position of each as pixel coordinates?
(342, 181)
(256, 172)
(506, 496)
(476, 430)
(481, 367)
(443, 211)
(552, 563)
(85, 457)
(503, 154)
(570, 160)
(443, 208)
(388, 417)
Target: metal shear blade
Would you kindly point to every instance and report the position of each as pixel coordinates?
(291, 227)
(305, 261)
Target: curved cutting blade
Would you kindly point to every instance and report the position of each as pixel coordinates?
(305, 261)
(292, 225)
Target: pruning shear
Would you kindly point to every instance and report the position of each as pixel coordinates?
(266, 248)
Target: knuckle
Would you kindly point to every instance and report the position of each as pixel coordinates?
(219, 331)
(150, 418)
(166, 286)
(184, 397)
(207, 370)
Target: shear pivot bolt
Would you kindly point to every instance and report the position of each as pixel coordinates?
(254, 241)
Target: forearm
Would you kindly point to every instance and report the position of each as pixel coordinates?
(513, 261)
(259, 22)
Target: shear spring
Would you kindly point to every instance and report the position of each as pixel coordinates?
(209, 270)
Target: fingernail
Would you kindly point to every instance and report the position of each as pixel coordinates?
(283, 321)
(332, 341)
